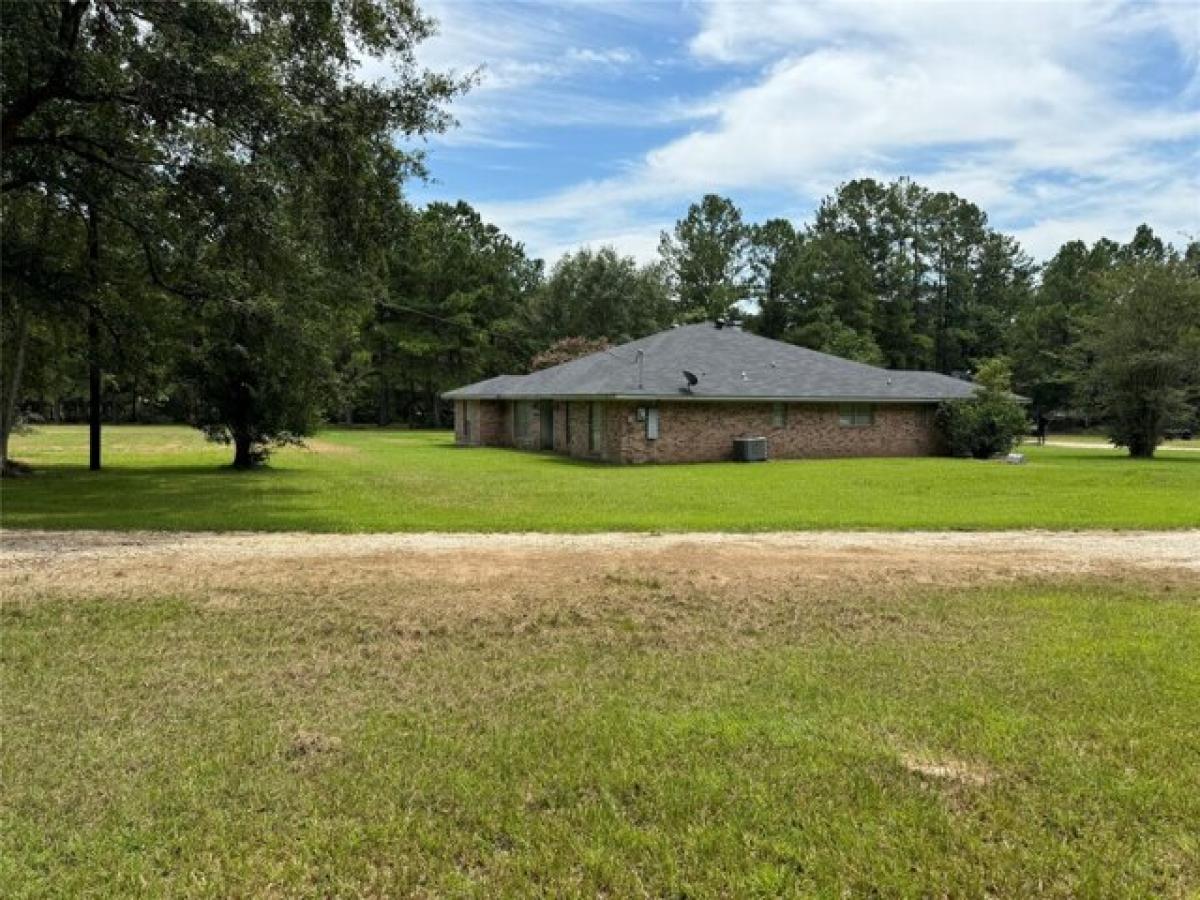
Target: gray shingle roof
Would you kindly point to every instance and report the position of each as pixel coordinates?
(730, 363)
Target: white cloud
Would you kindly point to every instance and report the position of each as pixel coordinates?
(533, 64)
(1031, 110)
(614, 56)
(1172, 208)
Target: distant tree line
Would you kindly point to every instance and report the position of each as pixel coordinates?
(204, 221)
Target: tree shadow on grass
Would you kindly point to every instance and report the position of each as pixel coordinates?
(116, 470)
(175, 498)
(547, 456)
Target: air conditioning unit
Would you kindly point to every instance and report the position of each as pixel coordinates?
(750, 449)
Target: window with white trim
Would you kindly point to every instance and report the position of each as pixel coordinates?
(856, 415)
(652, 423)
(779, 415)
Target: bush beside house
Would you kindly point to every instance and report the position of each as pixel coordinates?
(988, 424)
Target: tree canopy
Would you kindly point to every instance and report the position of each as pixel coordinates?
(705, 259)
(231, 151)
(1145, 344)
(599, 293)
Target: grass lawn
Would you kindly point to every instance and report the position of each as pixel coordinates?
(392, 480)
(611, 734)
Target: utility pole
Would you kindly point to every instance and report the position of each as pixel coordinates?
(93, 334)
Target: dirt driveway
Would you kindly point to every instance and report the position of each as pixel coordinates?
(82, 563)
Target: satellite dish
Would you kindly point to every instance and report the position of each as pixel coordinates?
(692, 380)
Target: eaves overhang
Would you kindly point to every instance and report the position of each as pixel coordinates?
(696, 398)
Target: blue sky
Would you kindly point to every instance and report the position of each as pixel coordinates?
(599, 122)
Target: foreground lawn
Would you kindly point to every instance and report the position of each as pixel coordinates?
(390, 480)
(618, 735)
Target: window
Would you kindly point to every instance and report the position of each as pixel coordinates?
(652, 424)
(466, 410)
(595, 425)
(926, 415)
(521, 419)
(567, 422)
(856, 415)
(779, 415)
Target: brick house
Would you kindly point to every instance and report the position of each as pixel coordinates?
(685, 394)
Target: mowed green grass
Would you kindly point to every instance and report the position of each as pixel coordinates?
(394, 480)
(1022, 741)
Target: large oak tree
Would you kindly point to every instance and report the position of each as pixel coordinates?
(235, 145)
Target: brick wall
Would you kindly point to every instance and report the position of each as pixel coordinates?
(694, 432)
(462, 410)
(479, 423)
(529, 437)
(700, 432)
(570, 429)
(579, 430)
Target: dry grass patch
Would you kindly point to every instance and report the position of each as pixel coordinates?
(328, 448)
(950, 770)
(672, 592)
(312, 743)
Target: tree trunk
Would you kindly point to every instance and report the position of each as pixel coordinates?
(93, 334)
(432, 404)
(93, 331)
(243, 455)
(385, 399)
(11, 393)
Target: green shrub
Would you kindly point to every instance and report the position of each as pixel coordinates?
(988, 424)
